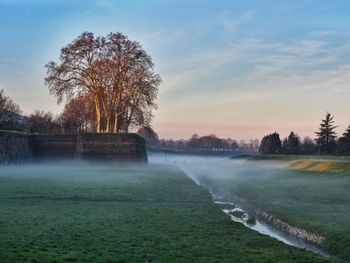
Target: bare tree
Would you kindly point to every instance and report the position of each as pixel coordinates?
(78, 115)
(132, 78)
(140, 97)
(115, 71)
(43, 122)
(7, 104)
(77, 72)
(9, 112)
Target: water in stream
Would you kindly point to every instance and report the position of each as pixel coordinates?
(190, 164)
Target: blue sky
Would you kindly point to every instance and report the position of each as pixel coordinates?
(235, 68)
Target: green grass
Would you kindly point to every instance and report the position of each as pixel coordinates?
(316, 201)
(106, 213)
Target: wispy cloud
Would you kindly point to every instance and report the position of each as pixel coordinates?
(184, 72)
(310, 72)
(230, 22)
(265, 60)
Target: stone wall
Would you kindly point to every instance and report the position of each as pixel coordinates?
(15, 147)
(18, 147)
(121, 147)
(55, 146)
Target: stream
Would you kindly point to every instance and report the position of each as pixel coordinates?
(189, 165)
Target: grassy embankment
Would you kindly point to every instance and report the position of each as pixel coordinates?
(331, 164)
(286, 157)
(105, 213)
(324, 166)
(311, 194)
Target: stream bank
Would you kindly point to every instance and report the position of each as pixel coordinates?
(242, 212)
(269, 225)
(221, 178)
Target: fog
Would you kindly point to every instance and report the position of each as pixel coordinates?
(55, 179)
(228, 181)
(214, 172)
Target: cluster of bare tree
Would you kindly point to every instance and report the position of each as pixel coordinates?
(9, 112)
(108, 83)
(211, 142)
(11, 118)
(78, 115)
(43, 122)
(196, 143)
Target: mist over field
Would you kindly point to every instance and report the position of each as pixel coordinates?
(200, 166)
(112, 212)
(309, 200)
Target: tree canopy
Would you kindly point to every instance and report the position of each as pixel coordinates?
(308, 146)
(114, 72)
(344, 143)
(291, 144)
(270, 144)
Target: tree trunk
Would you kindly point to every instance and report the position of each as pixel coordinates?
(116, 123)
(108, 118)
(107, 123)
(98, 115)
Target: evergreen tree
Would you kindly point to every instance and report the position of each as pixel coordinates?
(292, 144)
(285, 146)
(326, 136)
(344, 143)
(308, 147)
(262, 144)
(271, 144)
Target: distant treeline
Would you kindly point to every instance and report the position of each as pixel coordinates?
(77, 117)
(68, 122)
(197, 143)
(12, 118)
(325, 143)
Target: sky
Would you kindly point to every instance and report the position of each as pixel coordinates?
(238, 69)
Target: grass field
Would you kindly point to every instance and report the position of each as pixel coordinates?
(318, 201)
(106, 213)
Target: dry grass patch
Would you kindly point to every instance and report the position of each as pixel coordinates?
(335, 166)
